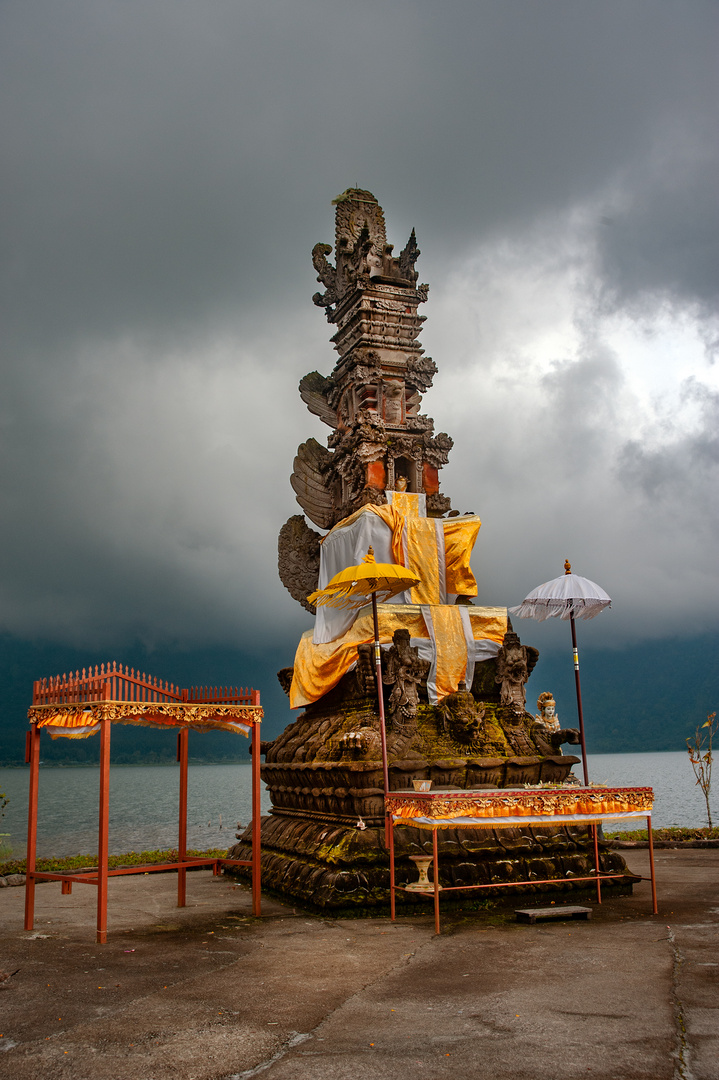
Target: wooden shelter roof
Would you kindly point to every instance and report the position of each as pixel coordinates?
(73, 706)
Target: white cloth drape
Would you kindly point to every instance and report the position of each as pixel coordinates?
(346, 546)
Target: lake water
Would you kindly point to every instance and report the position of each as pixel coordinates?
(144, 802)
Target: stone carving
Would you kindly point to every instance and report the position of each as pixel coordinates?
(315, 391)
(514, 724)
(436, 450)
(404, 672)
(408, 257)
(326, 274)
(514, 664)
(546, 730)
(365, 672)
(420, 373)
(393, 400)
(462, 716)
(284, 677)
(298, 559)
(312, 483)
(362, 745)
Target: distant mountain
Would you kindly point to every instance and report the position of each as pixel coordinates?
(21, 662)
(650, 696)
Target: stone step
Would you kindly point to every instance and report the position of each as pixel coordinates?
(567, 911)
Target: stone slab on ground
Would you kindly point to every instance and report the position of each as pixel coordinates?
(561, 911)
(209, 993)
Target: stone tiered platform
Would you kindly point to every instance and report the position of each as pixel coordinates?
(328, 866)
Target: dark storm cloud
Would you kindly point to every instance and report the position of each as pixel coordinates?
(170, 166)
(686, 462)
(166, 157)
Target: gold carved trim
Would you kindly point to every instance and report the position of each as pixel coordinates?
(89, 714)
(523, 804)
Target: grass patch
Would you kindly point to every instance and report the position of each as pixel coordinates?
(130, 858)
(675, 832)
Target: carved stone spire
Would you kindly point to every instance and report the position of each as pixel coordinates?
(372, 399)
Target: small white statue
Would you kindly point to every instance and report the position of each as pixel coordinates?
(547, 714)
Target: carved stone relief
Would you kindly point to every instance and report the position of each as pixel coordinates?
(403, 670)
(513, 670)
(298, 559)
(462, 716)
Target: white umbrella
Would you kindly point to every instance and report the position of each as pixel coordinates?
(567, 597)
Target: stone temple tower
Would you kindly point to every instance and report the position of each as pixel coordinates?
(372, 398)
(380, 440)
(453, 673)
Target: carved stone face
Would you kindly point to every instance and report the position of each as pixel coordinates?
(465, 727)
(515, 665)
(463, 716)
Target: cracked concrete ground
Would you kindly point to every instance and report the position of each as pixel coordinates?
(209, 993)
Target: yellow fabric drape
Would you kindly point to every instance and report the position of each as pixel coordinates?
(423, 558)
(460, 536)
(81, 722)
(451, 647)
(69, 720)
(318, 668)
(407, 503)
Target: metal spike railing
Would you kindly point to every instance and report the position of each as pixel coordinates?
(112, 682)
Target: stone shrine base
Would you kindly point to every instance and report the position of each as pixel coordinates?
(329, 866)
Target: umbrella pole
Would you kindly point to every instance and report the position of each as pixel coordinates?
(380, 699)
(577, 684)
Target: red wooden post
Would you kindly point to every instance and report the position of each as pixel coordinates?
(435, 864)
(389, 825)
(182, 745)
(596, 862)
(578, 688)
(256, 822)
(103, 831)
(655, 910)
(32, 755)
(380, 704)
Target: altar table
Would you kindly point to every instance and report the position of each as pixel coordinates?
(478, 808)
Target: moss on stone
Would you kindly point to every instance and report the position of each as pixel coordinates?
(436, 744)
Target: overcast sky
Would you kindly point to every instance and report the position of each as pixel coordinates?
(168, 168)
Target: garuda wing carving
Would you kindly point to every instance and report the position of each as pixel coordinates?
(314, 391)
(326, 275)
(298, 559)
(312, 484)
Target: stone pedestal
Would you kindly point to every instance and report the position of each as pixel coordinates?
(325, 865)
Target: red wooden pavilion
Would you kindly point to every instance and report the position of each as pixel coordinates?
(77, 706)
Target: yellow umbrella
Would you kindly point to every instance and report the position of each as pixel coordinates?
(351, 588)
(353, 585)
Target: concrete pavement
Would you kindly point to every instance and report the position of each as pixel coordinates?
(208, 992)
